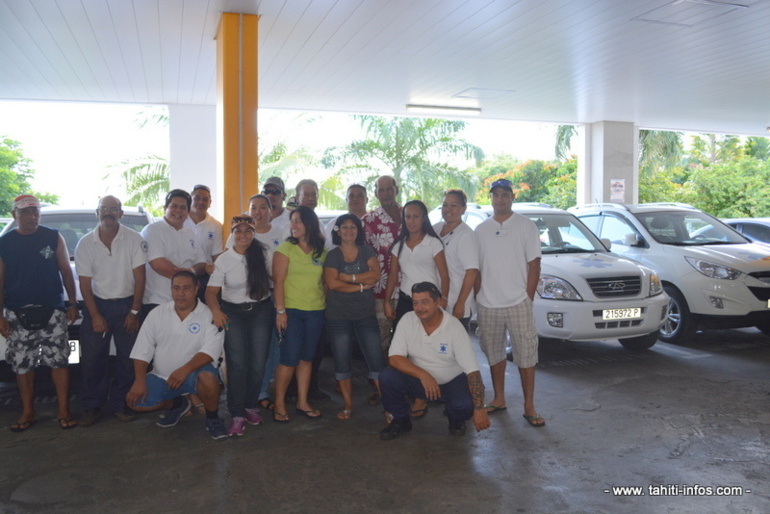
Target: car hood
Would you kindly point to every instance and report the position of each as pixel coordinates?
(588, 265)
(744, 257)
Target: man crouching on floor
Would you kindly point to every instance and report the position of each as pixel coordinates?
(431, 358)
(181, 341)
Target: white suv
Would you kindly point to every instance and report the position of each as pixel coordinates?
(585, 293)
(714, 276)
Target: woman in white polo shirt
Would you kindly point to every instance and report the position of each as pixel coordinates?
(418, 254)
(246, 313)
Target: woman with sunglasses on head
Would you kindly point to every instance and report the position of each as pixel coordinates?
(350, 272)
(418, 255)
(246, 313)
(461, 246)
(300, 302)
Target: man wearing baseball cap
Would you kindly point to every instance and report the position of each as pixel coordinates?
(505, 288)
(273, 188)
(34, 263)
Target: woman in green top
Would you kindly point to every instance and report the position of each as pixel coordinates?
(300, 303)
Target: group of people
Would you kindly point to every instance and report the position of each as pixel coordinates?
(175, 300)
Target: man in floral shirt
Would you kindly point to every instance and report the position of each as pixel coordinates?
(382, 226)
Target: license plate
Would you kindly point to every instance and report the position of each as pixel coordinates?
(74, 351)
(630, 313)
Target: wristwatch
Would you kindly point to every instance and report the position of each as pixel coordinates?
(134, 312)
(283, 311)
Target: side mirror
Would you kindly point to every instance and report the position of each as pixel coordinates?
(631, 239)
(606, 242)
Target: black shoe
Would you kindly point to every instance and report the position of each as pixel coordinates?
(456, 427)
(395, 429)
(89, 417)
(317, 395)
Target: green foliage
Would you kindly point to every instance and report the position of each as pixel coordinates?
(708, 149)
(564, 135)
(413, 150)
(534, 181)
(659, 150)
(146, 182)
(757, 147)
(15, 176)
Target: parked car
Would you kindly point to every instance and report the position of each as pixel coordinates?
(714, 276)
(755, 229)
(73, 224)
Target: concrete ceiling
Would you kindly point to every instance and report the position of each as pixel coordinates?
(697, 65)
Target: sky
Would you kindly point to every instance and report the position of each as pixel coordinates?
(73, 146)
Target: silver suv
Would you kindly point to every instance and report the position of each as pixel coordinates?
(73, 224)
(714, 276)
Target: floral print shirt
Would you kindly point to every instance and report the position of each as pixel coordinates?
(381, 230)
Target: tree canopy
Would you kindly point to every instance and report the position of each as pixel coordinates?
(15, 176)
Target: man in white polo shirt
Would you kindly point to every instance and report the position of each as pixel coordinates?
(181, 342)
(110, 264)
(171, 247)
(509, 250)
(208, 231)
(273, 188)
(431, 358)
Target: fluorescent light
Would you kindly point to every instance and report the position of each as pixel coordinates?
(443, 109)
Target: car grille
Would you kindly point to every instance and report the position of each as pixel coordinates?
(619, 323)
(615, 287)
(762, 293)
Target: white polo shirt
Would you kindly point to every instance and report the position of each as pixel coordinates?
(111, 270)
(231, 275)
(169, 342)
(444, 354)
(504, 251)
(417, 264)
(208, 235)
(461, 248)
(282, 220)
(177, 246)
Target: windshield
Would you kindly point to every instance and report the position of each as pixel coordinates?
(689, 228)
(564, 233)
(74, 225)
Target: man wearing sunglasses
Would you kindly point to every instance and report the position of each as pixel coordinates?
(274, 189)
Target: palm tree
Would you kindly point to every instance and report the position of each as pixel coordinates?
(146, 181)
(411, 149)
(659, 150)
(564, 135)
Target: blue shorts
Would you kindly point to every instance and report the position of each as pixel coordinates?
(158, 390)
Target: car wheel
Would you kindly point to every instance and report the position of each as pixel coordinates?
(679, 324)
(641, 343)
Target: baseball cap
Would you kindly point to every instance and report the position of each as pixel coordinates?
(24, 201)
(274, 181)
(504, 183)
(242, 220)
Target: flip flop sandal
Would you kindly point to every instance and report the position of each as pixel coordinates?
(67, 423)
(21, 427)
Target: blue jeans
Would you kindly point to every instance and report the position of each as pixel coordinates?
(273, 356)
(247, 342)
(303, 331)
(396, 386)
(95, 360)
(343, 333)
(158, 390)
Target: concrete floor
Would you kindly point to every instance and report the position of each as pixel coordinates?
(675, 415)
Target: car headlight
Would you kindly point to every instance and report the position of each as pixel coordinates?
(656, 286)
(712, 270)
(555, 288)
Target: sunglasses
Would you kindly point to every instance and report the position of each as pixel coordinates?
(272, 192)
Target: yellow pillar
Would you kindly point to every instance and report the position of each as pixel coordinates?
(237, 111)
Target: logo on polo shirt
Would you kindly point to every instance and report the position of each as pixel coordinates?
(211, 235)
(195, 328)
(442, 348)
(47, 252)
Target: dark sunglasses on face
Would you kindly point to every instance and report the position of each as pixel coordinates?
(271, 192)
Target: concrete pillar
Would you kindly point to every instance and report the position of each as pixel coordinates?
(193, 138)
(609, 170)
(237, 109)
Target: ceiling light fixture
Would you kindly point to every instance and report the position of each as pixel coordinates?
(443, 109)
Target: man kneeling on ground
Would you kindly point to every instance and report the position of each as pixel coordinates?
(181, 341)
(431, 358)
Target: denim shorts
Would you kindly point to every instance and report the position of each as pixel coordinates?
(158, 390)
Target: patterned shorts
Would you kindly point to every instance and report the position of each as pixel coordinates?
(519, 321)
(28, 349)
